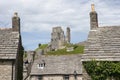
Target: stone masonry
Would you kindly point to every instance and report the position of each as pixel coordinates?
(93, 18)
(6, 69)
(68, 36)
(58, 38)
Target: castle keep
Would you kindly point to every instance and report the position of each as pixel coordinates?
(58, 38)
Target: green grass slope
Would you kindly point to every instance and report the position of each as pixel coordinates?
(78, 49)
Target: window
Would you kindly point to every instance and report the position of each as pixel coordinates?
(41, 65)
(40, 78)
(66, 77)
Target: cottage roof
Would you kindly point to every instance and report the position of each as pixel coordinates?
(8, 43)
(66, 64)
(103, 43)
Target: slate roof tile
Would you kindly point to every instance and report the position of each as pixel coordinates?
(103, 43)
(8, 43)
(65, 64)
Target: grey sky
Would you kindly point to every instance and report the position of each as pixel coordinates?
(39, 16)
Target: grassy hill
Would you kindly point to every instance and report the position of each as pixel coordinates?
(42, 46)
(77, 49)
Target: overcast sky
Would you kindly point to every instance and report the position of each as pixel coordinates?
(38, 17)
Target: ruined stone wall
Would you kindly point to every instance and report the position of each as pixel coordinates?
(68, 35)
(5, 70)
(57, 38)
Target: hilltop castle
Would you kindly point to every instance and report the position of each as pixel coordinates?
(58, 38)
(103, 44)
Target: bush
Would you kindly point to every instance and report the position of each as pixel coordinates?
(101, 70)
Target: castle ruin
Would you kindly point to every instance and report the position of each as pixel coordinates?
(58, 38)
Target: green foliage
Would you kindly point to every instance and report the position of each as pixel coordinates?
(77, 50)
(58, 52)
(102, 70)
(42, 46)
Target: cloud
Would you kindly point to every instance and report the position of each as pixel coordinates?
(39, 16)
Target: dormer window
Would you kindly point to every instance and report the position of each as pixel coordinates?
(41, 65)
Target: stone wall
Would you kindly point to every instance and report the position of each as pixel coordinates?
(57, 38)
(52, 77)
(56, 77)
(5, 70)
(85, 74)
(68, 35)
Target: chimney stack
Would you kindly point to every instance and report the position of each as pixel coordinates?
(16, 22)
(93, 18)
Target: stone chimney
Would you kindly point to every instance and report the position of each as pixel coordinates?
(16, 22)
(93, 18)
(68, 35)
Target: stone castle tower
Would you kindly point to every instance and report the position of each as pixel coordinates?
(58, 38)
(68, 35)
(93, 18)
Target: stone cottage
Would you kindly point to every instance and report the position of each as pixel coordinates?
(11, 51)
(103, 43)
(66, 67)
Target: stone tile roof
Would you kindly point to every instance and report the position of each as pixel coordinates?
(66, 64)
(8, 43)
(103, 43)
